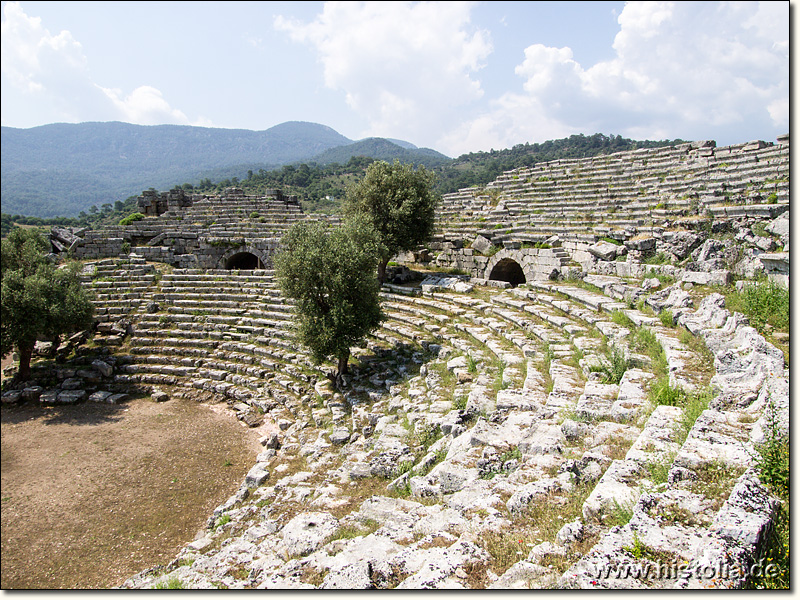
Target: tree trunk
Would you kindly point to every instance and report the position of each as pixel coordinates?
(25, 353)
(382, 270)
(344, 357)
(56, 341)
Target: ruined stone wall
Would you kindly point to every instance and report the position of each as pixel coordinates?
(197, 231)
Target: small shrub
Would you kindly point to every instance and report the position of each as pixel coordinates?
(772, 463)
(773, 456)
(657, 259)
(666, 317)
(663, 278)
(638, 550)
(223, 520)
(137, 216)
(764, 302)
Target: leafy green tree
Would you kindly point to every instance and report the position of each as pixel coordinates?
(330, 274)
(399, 202)
(39, 301)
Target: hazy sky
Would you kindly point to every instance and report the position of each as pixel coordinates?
(454, 76)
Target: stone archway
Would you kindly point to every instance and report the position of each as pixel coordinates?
(508, 269)
(512, 266)
(243, 261)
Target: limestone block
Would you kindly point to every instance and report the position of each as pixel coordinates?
(307, 531)
(604, 250)
(257, 475)
(71, 396)
(545, 438)
(719, 277)
(618, 487)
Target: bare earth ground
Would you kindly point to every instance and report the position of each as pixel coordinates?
(94, 493)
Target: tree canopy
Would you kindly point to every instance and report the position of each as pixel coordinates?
(39, 301)
(399, 202)
(330, 274)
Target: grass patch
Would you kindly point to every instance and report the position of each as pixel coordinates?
(621, 319)
(657, 259)
(172, 583)
(621, 514)
(715, 480)
(540, 522)
(667, 318)
(661, 393)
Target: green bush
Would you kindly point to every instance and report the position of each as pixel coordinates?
(137, 216)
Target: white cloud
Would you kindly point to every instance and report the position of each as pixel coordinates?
(145, 106)
(405, 66)
(682, 69)
(30, 52)
(49, 77)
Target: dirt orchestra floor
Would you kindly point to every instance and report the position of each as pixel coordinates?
(94, 493)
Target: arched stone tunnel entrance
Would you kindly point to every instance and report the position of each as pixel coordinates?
(508, 269)
(243, 261)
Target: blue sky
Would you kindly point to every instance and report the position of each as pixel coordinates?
(454, 76)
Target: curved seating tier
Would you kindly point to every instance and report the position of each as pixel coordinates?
(482, 413)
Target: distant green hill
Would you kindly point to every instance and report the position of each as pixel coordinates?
(383, 149)
(63, 169)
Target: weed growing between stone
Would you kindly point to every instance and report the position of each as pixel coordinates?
(613, 365)
(772, 463)
(173, 583)
(621, 514)
(715, 480)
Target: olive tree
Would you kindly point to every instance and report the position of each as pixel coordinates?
(39, 300)
(400, 203)
(330, 274)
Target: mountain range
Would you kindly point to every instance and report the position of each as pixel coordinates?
(63, 169)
